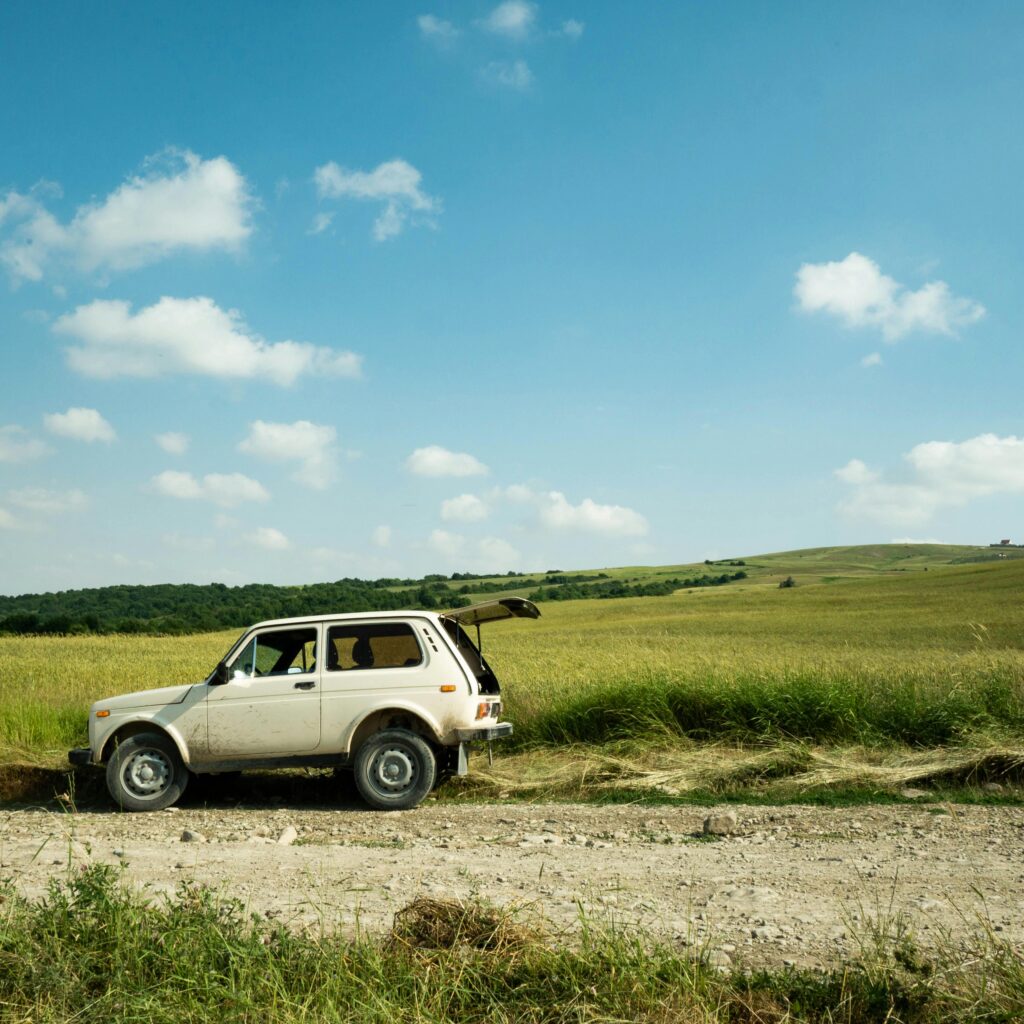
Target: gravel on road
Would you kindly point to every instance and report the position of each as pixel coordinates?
(786, 885)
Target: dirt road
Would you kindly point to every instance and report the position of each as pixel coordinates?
(790, 884)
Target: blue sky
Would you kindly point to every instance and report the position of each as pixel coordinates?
(290, 293)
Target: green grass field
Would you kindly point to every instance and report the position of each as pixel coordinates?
(869, 663)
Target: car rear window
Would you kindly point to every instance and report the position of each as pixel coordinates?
(372, 645)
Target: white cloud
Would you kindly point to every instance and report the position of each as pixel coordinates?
(856, 472)
(80, 425)
(939, 474)
(572, 28)
(588, 516)
(7, 521)
(269, 539)
(395, 184)
(381, 536)
(188, 336)
(17, 446)
(437, 461)
(45, 502)
(856, 292)
(513, 19)
(436, 29)
(173, 443)
(514, 74)
(310, 444)
(224, 489)
(181, 203)
(466, 508)
(872, 359)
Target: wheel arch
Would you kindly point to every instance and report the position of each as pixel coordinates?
(392, 717)
(135, 728)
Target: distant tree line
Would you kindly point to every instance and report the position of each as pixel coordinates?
(170, 608)
(571, 591)
(192, 608)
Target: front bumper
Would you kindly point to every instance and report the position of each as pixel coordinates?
(80, 755)
(487, 732)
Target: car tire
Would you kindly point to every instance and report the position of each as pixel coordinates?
(394, 770)
(145, 773)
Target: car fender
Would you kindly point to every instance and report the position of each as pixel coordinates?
(137, 722)
(398, 708)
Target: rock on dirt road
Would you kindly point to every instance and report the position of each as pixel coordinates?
(788, 884)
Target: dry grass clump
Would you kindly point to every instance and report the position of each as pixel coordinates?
(681, 768)
(429, 923)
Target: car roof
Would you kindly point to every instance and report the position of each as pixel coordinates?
(297, 620)
(472, 615)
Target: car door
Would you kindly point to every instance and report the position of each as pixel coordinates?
(368, 664)
(270, 704)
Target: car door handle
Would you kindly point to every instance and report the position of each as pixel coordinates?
(308, 685)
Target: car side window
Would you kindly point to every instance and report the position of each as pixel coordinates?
(278, 652)
(372, 645)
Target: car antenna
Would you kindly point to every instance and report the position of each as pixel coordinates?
(479, 642)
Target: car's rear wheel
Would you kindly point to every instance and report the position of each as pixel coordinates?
(394, 770)
(146, 773)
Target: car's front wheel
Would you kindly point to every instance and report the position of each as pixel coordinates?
(394, 770)
(146, 773)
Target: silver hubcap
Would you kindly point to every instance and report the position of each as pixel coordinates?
(393, 770)
(147, 774)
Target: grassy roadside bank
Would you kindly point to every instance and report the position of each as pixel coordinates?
(863, 685)
(93, 950)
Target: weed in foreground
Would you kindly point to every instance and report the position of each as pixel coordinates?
(93, 950)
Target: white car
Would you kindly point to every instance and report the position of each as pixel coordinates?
(395, 696)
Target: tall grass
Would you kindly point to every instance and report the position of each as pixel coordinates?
(93, 951)
(917, 659)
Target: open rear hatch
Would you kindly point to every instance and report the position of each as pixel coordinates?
(476, 615)
(492, 611)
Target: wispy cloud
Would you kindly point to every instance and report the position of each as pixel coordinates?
(437, 30)
(173, 443)
(394, 184)
(17, 445)
(487, 554)
(268, 538)
(514, 74)
(858, 294)
(43, 501)
(191, 336)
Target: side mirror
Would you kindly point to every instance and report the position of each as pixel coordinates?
(221, 674)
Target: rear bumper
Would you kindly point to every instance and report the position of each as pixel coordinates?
(80, 755)
(488, 733)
